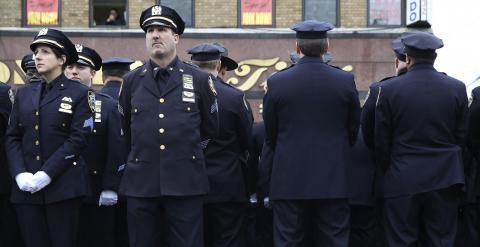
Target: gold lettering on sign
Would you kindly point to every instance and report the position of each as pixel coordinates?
(4, 72)
(245, 68)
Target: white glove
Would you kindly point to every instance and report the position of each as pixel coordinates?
(108, 198)
(24, 181)
(266, 202)
(40, 179)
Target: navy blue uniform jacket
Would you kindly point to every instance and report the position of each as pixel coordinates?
(104, 154)
(164, 131)
(420, 128)
(311, 114)
(225, 156)
(5, 108)
(49, 135)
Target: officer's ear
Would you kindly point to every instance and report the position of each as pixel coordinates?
(408, 60)
(297, 48)
(93, 72)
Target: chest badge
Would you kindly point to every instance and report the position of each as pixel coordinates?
(188, 94)
(66, 105)
(98, 111)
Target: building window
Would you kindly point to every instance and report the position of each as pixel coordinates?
(41, 12)
(108, 13)
(385, 12)
(184, 9)
(321, 10)
(258, 13)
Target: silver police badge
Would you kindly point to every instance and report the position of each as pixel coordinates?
(79, 47)
(157, 10)
(43, 31)
(11, 95)
(91, 100)
(212, 87)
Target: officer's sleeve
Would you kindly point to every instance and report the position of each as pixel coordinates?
(354, 115)
(383, 130)
(124, 108)
(13, 145)
(115, 150)
(265, 170)
(5, 110)
(368, 117)
(462, 116)
(473, 123)
(244, 123)
(270, 116)
(208, 106)
(252, 163)
(81, 125)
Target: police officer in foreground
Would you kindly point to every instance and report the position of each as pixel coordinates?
(311, 114)
(28, 66)
(420, 127)
(102, 155)
(113, 69)
(225, 157)
(170, 114)
(46, 135)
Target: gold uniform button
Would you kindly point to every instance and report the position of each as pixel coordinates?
(94, 131)
(188, 109)
(63, 124)
(134, 110)
(193, 157)
(94, 172)
(38, 157)
(162, 100)
(162, 147)
(136, 160)
(161, 115)
(37, 143)
(161, 130)
(36, 113)
(74, 163)
(36, 127)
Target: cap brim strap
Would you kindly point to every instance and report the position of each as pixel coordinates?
(48, 41)
(160, 18)
(86, 59)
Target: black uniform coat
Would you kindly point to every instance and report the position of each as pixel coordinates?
(420, 127)
(49, 135)
(112, 88)
(5, 108)
(104, 154)
(168, 163)
(311, 114)
(254, 152)
(362, 174)
(473, 144)
(225, 156)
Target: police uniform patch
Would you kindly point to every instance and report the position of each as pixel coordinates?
(378, 96)
(91, 100)
(470, 99)
(212, 87)
(188, 94)
(11, 95)
(66, 105)
(98, 111)
(120, 109)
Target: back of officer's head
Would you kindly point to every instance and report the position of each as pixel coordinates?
(420, 47)
(206, 56)
(312, 37)
(116, 67)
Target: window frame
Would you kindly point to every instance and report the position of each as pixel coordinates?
(239, 16)
(402, 16)
(24, 16)
(337, 13)
(90, 17)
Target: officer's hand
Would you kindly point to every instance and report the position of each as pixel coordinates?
(40, 180)
(24, 181)
(108, 198)
(266, 202)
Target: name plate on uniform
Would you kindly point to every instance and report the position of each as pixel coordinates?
(66, 105)
(188, 94)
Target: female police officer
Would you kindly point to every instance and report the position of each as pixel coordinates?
(45, 136)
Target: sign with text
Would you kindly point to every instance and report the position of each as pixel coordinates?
(42, 12)
(418, 13)
(256, 12)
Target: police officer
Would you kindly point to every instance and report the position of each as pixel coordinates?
(28, 66)
(45, 137)
(368, 110)
(113, 69)
(311, 114)
(9, 231)
(102, 155)
(225, 157)
(420, 127)
(170, 113)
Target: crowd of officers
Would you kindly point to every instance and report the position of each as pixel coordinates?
(168, 154)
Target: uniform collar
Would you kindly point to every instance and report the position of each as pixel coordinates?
(308, 59)
(170, 67)
(427, 66)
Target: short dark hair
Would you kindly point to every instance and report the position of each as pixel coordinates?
(312, 47)
(206, 64)
(430, 59)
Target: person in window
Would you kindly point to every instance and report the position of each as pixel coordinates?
(114, 18)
